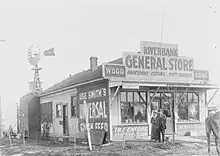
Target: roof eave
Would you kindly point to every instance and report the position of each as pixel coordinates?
(69, 87)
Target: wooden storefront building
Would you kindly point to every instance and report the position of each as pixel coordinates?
(122, 94)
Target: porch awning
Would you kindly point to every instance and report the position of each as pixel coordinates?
(163, 84)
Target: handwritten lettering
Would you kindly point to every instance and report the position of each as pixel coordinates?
(95, 126)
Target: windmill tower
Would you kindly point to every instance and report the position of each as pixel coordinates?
(34, 58)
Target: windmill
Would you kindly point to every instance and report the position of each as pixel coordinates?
(34, 58)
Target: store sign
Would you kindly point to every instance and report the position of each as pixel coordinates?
(158, 49)
(113, 70)
(158, 68)
(201, 75)
(130, 132)
(96, 101)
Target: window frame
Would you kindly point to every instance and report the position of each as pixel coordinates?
(134, 103)
(73, 106)
(187, 103)
(58, 112)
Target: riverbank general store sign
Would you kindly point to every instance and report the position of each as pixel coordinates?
(156, 62)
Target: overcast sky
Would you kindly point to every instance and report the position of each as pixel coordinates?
(80, 29)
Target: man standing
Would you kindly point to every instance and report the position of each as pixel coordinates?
(160, 125)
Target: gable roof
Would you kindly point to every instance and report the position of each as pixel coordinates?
(78, 78)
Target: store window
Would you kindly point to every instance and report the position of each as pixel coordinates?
(73, 105)
(58, 110)
(188, 108)
(133, 107)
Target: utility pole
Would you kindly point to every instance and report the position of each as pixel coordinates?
(1, 127)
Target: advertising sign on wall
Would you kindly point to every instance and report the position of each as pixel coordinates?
(201, 75)
(158, 49)
(182, 128)
(129, 132)
(158, 68)
(97, 102)
(113, 71)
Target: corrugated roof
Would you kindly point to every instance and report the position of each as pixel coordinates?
(78, 78)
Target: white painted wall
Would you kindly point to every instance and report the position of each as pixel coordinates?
(63, 98)
(114, 110)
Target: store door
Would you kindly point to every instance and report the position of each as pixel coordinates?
(65, 120)
(167, 111)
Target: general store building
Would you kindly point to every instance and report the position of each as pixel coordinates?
(122, 94)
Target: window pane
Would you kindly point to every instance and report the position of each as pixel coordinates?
(182, 111)
(143, 94)
(130, 96)
(73, 105)
(180, 95)
(123, 96)
(152, 93)
(190, 97)
(124, 108)
(195, 97)
(136, 97)
(140, 113)
(133, 112)
(193, 111)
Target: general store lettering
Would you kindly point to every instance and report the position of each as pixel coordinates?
(158, 63)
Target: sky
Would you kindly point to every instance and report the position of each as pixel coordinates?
(101, 28)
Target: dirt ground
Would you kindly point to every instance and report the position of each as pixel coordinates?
(146, 148)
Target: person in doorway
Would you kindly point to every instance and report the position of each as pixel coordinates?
(160, 125)
(153, 125)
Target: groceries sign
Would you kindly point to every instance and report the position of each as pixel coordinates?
(158, 68)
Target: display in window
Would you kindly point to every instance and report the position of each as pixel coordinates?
(193, 111)
(130, 113)
(139, 112)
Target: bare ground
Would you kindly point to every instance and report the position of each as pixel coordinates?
(147, 148)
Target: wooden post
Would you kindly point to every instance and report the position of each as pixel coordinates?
(9, 136)
(123, 141)
(74, 144)
(87, 124)
(173, 114)
(23, 138)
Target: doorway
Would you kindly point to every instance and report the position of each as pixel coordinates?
(65, 120)
(160, 102)
(167, 111)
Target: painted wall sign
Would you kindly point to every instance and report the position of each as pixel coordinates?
(113, 70)
(158, 49)
(130, 132)
(97, 102)
(158, 68)
(184, 127)
(201, 75)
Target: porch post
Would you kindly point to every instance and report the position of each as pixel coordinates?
(111, 100)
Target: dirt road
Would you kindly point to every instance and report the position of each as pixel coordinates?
(147, 148)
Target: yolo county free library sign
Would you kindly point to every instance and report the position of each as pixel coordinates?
(155, 63)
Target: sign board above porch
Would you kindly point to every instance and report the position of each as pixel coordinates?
(158, 68)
